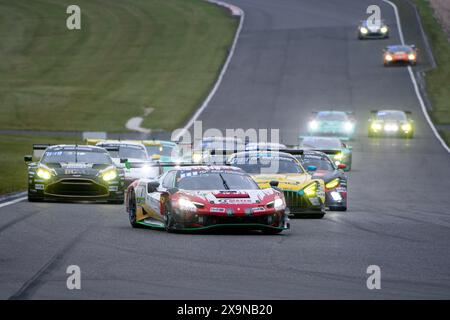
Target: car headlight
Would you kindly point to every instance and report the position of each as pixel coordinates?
(44, 173)
(313, 125)
(376, 126)
(332, 184)
(186, 205)
(109, 175)
(384, 29)
(411, 56)
(388, 57)
(406, 127)
(311, 190)
(339, 156)
(348, 126)
(363, 30)
(278, 204)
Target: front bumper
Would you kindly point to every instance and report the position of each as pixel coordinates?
(299, 204)
(336, 198)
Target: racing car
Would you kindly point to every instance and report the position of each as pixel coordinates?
(205, 197)
(162, 150)
(335, 179)
(73, 172)
(304, 195)
(394, 123)
(255, 146)
(132, 157)
(332, 123)
(378, 30)
(340, 152)
(400, 54)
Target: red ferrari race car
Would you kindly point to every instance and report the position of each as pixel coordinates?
(400, 54)
(205, 197)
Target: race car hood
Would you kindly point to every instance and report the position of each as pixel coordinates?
(292, 181)
(77, 169)
(247, 197)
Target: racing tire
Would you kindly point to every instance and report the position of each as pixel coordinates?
(132, 211)
(271, 231)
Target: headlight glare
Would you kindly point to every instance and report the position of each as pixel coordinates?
(109, 175)
(363, 30)
(186, 205)
(406, 127)
(388, 57)
(384, 29)
(332, 184)
(376, 126)
(311, 190)
(411, 56)
(44, 173)
(314, 124)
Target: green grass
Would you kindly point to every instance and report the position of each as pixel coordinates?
(13, 170)
(128, 55)
(437, 80)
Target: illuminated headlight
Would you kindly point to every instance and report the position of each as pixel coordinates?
(109, 175)
(390, 127)
(384, 29)
(336, 196)
(313, 125)
(376, 126)
(278, 204)
(197, 157)
(186, 205)
(311, 190)
(406, 127)
(363, 30)
(44, 173)
(339, 156)
(411, 56)
(348, 126)
(332, 184)
(388, 57)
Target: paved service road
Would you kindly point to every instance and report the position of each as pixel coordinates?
(292, 57)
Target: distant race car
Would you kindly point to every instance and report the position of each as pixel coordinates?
(132, 157)
(400, 54)
(203, 150)
(205, 197)
(340, 152)
(255, 146)
(162, 150)
(378, 30)
(333, 176)
(304, 195)
(332, 123)
(74, 172)
(393, 123)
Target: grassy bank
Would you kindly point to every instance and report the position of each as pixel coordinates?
(13, 170)
(437, 80)
(128, 55)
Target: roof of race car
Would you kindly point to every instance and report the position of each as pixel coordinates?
(263, 153)
(71, 147)
(158, 143)
(399, 47)
(214, 168)
(120, 143)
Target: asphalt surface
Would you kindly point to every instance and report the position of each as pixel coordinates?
(292, 57)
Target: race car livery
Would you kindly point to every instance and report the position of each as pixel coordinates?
(377, 30)
(205, 197)
(339, 152)
(74, 172)
(391, 123)
(132, 157)
(400, 54)
(304, 195)
(334, 178)
(332, 123)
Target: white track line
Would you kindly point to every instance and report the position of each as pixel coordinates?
(222, 72)
(414, 82)
(5, 204)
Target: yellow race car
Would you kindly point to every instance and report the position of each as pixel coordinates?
(304, 195)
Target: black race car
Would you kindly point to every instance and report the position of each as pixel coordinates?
(322, 167)
(74, 172)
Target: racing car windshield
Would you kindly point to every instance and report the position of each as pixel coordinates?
(162, 150)
(331, 116)
(129, 152)
(215, 181)
(392, 115)
(321, 143)
(72, 156)
(267, 165)
(319, 163)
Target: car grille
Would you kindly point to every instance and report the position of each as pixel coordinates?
(294, 201)
(77, 188)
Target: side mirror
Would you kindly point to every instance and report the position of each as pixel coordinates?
(311, 168)
(28, 158)
(342, 166)
(152, 186)
(274, 183)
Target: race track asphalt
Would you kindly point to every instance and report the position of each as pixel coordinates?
(293, 56)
